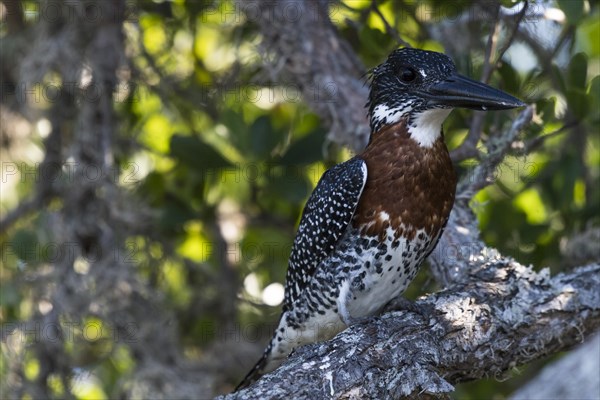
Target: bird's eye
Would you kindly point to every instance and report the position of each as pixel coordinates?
(408, 74)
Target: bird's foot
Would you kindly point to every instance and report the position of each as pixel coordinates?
(400, 303)
(349, 321)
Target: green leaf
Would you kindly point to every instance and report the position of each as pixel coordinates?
(175, 214)
(563, 182)
(263, 137)
(573, 9)
(9, 295)
(510, 79)
(305, 150)
(191, 151)
(577, 71)
(265, 250)
(578, 102)
(374, 42)
(559, 78)
(255, 142)
(238, 130)
(594, 96)
(292, 187)
(594, 87)
(26, 246)
(588, 33)
(546, 108)
(153, 188)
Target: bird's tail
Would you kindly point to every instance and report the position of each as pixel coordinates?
(258, 370)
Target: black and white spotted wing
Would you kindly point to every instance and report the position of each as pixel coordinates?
(325, 218)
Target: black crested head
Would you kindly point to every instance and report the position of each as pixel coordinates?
(396, 84)
(412, 82)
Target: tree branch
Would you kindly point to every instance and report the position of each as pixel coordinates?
(502, 314)
(468, 148)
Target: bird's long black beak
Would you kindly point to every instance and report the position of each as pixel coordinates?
(460, 91)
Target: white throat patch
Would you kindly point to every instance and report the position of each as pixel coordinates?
(384, 115)
(426, 127)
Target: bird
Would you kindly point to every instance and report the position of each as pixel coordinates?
(371, 221)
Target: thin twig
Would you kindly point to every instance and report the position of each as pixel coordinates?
(468, 148)
(390, 30)
(498, 148)
(538, 141)
(512, 34)
(490, 49)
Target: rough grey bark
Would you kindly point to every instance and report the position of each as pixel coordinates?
(498, 316)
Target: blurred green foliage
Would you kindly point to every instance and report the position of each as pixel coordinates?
(226, 158)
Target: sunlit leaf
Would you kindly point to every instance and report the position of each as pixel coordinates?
(154, 33)
(32, 368)
(196, 246)
(174, 278)
(588, 33)
(157, 132)
(86, 387)
(532, 205)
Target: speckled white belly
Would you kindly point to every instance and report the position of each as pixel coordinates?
(386, 271)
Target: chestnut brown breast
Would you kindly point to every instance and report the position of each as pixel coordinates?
(413, 185)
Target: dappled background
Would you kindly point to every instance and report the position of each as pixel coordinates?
(156, 156)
